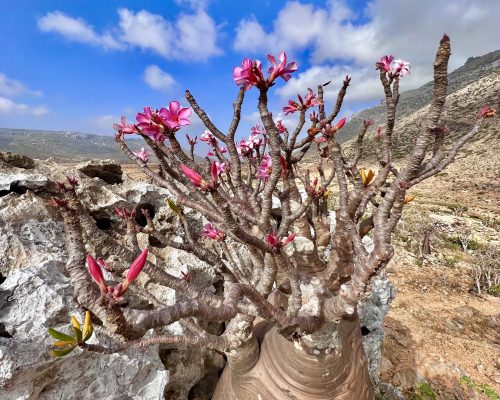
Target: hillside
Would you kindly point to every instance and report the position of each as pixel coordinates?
(63, 146)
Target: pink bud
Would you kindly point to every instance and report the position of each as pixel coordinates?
(96, 273)
(192, 175)
(137, 266)
(340, 124)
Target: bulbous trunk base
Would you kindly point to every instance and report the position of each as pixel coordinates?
(284, 371)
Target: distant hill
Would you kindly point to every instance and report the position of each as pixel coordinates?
(64, 146)
(410, 101)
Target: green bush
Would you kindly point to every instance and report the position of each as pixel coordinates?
(422, 391)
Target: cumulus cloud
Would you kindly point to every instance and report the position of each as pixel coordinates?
(158, 79)
(11, 87)
(190, 36)
(76, 29)
(8, 106)
(338, 40)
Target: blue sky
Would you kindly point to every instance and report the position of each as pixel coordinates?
(78, 65)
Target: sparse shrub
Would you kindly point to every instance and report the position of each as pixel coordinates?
(422, 391)
(487, 272)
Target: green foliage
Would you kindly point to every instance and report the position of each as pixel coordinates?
(482, 388)
(67, 343)
(451, 261)
(494, 290)
(453, 244)
(422, 391)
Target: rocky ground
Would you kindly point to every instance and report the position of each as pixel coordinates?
(439, 330)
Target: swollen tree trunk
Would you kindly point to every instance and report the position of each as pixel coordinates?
(288, 370)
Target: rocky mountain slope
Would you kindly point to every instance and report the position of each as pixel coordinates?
(410, 101)
(63, 146)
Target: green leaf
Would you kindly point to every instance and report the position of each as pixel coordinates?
(174, 207)
(59, 335)
(62, 352)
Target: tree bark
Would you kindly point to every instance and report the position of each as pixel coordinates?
(286, 370)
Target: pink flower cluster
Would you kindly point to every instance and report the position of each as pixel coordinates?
(246, 147)
(265, 168)
(155, 123)
(250, 73)
(116, 293)
(310, 101)
(213, 143)
(397, 68)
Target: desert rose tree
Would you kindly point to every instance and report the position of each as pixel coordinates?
(290, 286)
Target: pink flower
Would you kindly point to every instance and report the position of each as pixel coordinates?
(385, 63)
(273, 241)
(124, 128)
(254, 141)
(221, 167)
(256, 130)
(142, 154)
(209, 231)
(368, 122)
(379, 133)
(311, 100)
(400, 68)
(291, 107)
(96, 273)
(281, 127)
(134, 271)
(249, 74)
(313, 117)
(243, 148)
(208, 137)
(175, 116)
(265, 168)
(282, 69)
(123, 213)
(151, 124)
(223, 150)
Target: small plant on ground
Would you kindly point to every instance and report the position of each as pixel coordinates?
(482, 388)
(422, 391)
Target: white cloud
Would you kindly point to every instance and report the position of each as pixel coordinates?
(76, 29)
(340, 42)
(105, 122)
(11, 87)
(7, 106)
(190, 36)
(158, 79)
